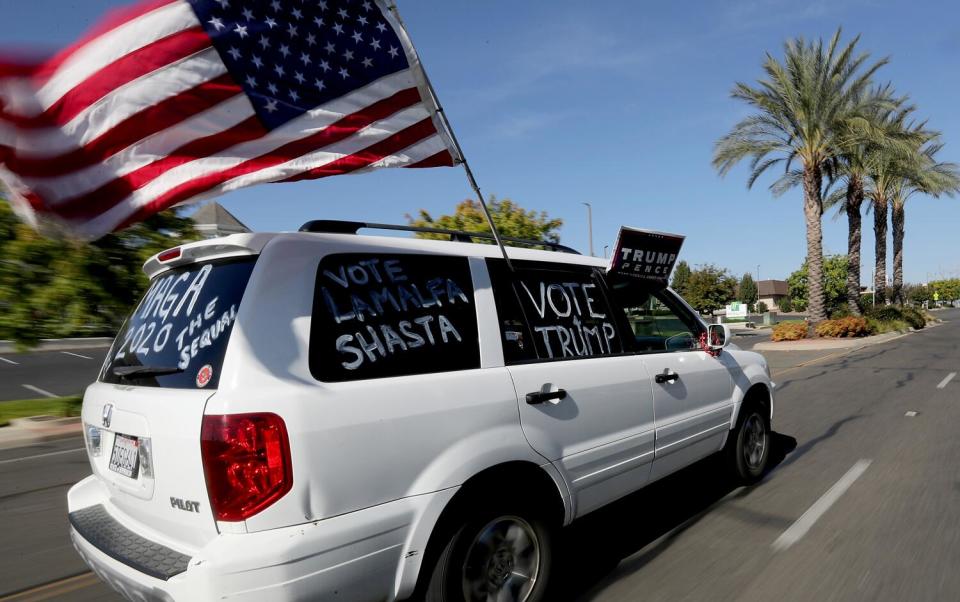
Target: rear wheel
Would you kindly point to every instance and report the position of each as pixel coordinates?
(497, 555)
(748, 448)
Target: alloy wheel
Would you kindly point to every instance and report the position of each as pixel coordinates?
(754, 441)
(503, 562)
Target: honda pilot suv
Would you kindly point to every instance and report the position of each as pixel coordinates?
(323, 415)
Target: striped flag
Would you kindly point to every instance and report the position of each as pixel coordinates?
(172, 101)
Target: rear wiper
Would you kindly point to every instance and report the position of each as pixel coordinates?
(144, 371)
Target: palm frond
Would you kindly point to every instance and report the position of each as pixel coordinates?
(816, 107)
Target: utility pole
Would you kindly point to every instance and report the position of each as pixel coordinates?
(590, 225)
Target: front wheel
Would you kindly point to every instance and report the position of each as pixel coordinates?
(748, 448)
(496, 556)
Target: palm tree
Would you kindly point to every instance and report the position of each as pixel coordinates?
(885, 167)
(879, 190)
(801, 107)
(853, 200)
(862, 140)
(925, 175)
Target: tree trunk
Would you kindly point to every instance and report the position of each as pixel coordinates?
(854, 201)
(813, 212)
(880, 250)
(898, 223)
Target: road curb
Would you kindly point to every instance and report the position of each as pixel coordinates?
(59, 344)
(840, 343)
(38, 429)
(829, 344)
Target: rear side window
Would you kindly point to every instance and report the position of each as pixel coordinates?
(379, 315)
(565, 310)
(177, 335)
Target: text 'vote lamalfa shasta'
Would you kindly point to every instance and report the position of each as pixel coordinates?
(380, 313)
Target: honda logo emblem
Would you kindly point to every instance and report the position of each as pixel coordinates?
(107, 415)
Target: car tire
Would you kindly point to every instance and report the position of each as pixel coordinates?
(502, 551)
(748, 446)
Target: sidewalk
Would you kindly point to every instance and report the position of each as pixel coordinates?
(37, 429)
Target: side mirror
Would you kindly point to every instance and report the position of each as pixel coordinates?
(718, 336)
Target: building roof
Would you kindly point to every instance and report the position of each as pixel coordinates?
(213, 220)
(773, 288)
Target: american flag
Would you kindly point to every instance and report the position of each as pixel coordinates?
(172, 101)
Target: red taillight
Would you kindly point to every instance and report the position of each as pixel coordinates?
(246, 460)
(169, 254)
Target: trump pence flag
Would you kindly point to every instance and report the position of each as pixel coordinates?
(172, 101)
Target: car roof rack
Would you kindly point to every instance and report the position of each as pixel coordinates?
(347, 227)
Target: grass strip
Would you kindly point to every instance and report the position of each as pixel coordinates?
(48, 406)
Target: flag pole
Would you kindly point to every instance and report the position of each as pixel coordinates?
(439, 112)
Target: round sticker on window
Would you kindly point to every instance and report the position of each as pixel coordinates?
(204, 376)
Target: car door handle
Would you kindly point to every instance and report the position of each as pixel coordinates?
(540, 397)
(666, 378)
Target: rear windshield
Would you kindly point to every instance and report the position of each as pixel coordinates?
(177, 335)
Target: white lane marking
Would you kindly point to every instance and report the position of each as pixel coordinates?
(3, 359)
(949, 377)
(910, 414)
(40, 391)
(86, 357)
(56, 453)
(803, 524)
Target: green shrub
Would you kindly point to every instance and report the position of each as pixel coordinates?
(841, 312)
(786, 305)
(791, 330)
(849, 326)
(914, 317)
(762, 308)
(894, 314)
(885, 313)
(880, 327)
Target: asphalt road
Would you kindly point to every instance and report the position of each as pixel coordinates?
(48, 373)
(863, 503)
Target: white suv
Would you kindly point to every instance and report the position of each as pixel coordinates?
(321, 415)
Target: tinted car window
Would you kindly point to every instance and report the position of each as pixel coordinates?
(181, 326)
(378, 315)
(657, 320)
(567, 312)
(515, 334)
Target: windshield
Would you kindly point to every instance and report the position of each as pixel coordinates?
(177, 335)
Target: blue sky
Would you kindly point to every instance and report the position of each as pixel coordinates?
(617, 104)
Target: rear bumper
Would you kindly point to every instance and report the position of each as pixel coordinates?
(354, 557)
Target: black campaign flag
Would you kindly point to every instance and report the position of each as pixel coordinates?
(645, 255)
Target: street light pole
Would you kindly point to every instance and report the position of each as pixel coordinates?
(605, 247)
(590, 225)
(758, 283)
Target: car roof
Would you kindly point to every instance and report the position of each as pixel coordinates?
(254, 243)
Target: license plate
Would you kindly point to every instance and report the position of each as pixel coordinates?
(125, 458)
